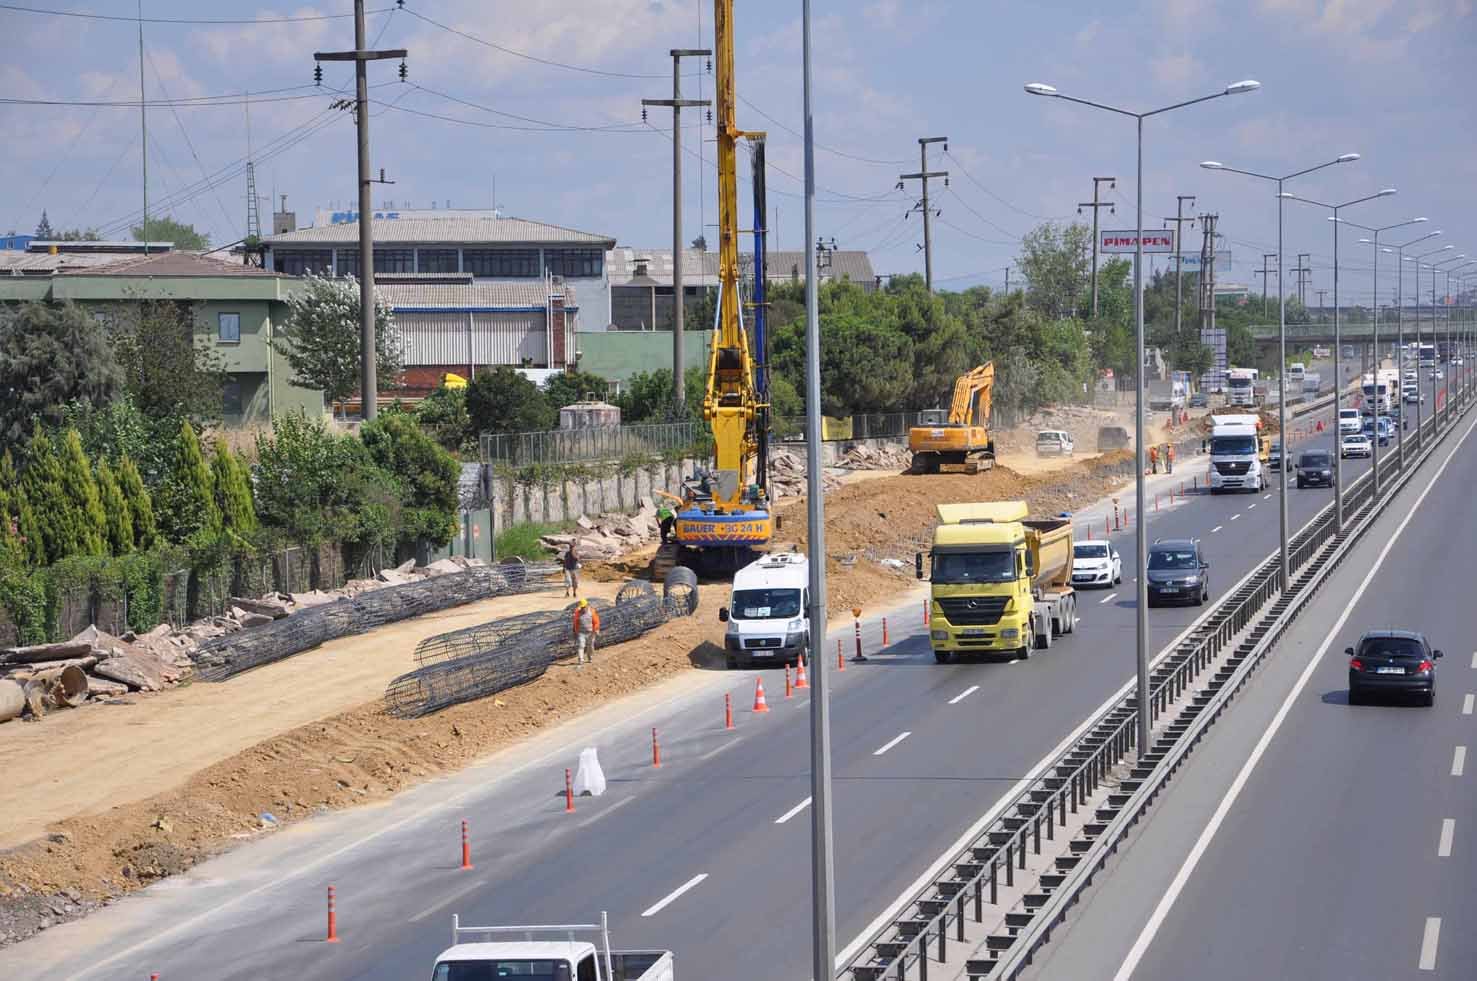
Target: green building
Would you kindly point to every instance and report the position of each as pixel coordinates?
(234, 309)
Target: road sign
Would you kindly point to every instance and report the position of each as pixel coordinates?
(1156, 240)
(1191, 260)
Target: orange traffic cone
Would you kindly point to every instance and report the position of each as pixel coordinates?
(802, 680)
(760, 705)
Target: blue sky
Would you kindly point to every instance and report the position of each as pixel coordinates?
(1391, 81)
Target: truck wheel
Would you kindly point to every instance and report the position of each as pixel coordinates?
(943, 657)
(1043, 639)
(1071, 615)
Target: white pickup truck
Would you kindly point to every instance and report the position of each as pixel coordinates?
(566, 959)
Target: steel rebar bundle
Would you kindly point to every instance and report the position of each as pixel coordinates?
(478, 661)
(223, 657)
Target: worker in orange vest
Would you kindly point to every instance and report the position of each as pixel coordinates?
(585, 627)
(1154, 458)
(1169, 456)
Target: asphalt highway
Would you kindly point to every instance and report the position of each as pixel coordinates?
(707, 856)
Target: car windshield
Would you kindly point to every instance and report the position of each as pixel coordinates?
(1172, 558)
(1232, 445)
(1091, 551)
(967, 567)
(1354, 438)
(1392, 647)
(1049, 438)
(1314, 460)
(490, 970)
(766, 604)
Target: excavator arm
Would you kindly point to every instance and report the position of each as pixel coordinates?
(971, 405)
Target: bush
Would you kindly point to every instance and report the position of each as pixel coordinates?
(523, 541)
(232, 488)
(115, 509)
(426, 473)
(23, 600)
(503, 401)
(140, 504)
(443, 416)
(186, 500)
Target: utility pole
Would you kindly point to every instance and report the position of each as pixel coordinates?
(679, 318)
(1095, 205)
(1302, 270)
(368, 382)
(823, 251)
(923, 175)
(143, 122)
(1179, 220)
(1264, 272)
(1207, 281)
(1321, 295)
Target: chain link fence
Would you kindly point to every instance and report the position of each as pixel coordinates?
(558, 446)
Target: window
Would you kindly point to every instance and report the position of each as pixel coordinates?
(587, 969)
(574, 263)
(300, 262)
(394, 260)
(1160, 559)
(348, 262)
(1091, 551)
(229, 331)
(969, 567)
(501, 263)
(766, 604)
(231, 404)
(437, 261)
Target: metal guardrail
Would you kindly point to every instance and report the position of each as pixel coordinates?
(1000, 850)
(558, 446)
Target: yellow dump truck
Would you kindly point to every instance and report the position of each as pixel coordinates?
(1001, 582)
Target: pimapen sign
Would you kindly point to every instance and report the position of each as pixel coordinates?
(1157, 240)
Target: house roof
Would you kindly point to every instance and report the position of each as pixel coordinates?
(449, 231)
(43, 263)
(702, 267)
(479, 296)
(172, 264)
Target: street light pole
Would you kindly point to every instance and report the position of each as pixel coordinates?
(1285, 560)
(1420, 440)
(1338, 382)
(1443, 405)
(1141, 620)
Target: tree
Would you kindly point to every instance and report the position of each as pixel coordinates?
(1056, 263)
(51, 355)
(443, 415)
(866, 366)
(140, 504)
(115, 509)
(81, 492)
(186, 502)
(165, 373)
(79, 235)
(44, 231)
(503, 401)
(647, 396)
(232, 486)
(320, 337)
(166, 229)
(428, 476)
(316, 487)
(55, 526)
(569, 387)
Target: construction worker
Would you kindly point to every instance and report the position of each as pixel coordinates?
(1154, 458)
(585, 626)
(1169, 457)
(571, 565)
(664, 521)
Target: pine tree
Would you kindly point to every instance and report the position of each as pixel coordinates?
(51, 526)
(32, 537)
(233, 491)
(115, 508)
(140, 505)
(187, 499)
(11, 553)
(82, 494)
(44, 231)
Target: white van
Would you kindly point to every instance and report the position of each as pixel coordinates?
(768, 622)
(1349, 421)
(1054, 442)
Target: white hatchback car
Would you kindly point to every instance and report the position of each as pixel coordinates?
(1054, 442)
(1096, 562)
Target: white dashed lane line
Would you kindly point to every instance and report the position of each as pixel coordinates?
(1216, 529)
(792, 811)
(894, 741)
(1250, 506)
(1459, 761)
(964, 694)
(1467, 703)
(675, 894)
(1235, 516)
(1107, 599)
(1448, 831)
(1429, 941)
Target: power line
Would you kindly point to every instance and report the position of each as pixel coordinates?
(977, 238)
(188, 142)
(82, 15)
(970, 177)
(189, 102)
(608, 127)
(528, 57)
(820, 146)
(543, 127)
(970, 208)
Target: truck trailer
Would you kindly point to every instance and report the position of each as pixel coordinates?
(563, 959)
(1000, 581)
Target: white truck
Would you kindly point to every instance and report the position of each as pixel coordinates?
(566, 959)
(1237, 457)
(1241, 387)
(1312, 381)
(1295, 374)
(1166, 395)
(769, 618)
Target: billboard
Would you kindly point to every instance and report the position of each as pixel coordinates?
(1118, 242)
(1191, 261)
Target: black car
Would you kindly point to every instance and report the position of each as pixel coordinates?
(1274, 456)
(1199, 400)
(1315, 467)
(1178, 572)
(1392, 662)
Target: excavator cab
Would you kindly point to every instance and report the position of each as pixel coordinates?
(959, 442)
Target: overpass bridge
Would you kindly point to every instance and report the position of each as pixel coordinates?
(1357, 333)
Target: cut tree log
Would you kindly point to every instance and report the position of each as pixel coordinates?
(140, 671)
(30, 671)
(45, 652)
(58, 688)
(12, 700)
(275, 609)
(249, 619)
(105, 687)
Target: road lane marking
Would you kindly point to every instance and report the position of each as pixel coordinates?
(1266, 497)
(1250, 506)
(675, 894)
(1474, 660)
(600, 814)
(792, 811)
(1459, 761)
(1216, 529)
(1107, 599)
(894, 741)
(715, 751)
(1177, 885)
(1235, 516)
(964, 694)
(437, 907)
(1448, 830)
(1467, 703)
(1428, 943)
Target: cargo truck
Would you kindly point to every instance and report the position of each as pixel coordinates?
(1241, 387)
(1239, 453)
(563, 959)
(1000, 582)
(1167, 395)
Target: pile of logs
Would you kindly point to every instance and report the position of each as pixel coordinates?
(44, 677)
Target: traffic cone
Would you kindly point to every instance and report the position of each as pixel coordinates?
(760, 705)
(802, 680)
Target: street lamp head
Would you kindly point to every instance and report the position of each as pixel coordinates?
(1385, 193)
(1212, 165)
(1287, 194)
(1246, 85)
(1040, 88)
(1366, 241)
(1347, 158)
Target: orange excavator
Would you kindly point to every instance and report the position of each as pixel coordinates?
(959, 442)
